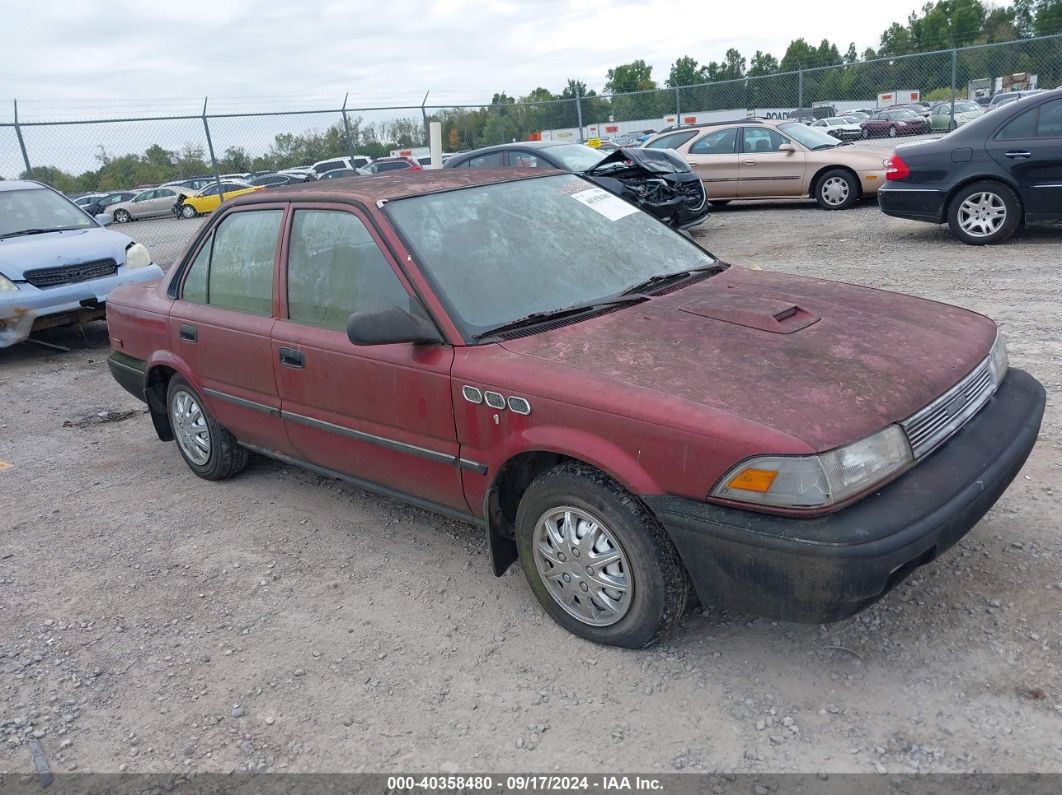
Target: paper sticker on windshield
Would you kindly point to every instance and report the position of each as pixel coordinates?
(608, 204)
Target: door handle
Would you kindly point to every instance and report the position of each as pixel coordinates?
(1017, 155)
(748, 162)
(289, 357)
(189, 333)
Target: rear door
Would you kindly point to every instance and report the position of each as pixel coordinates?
(714, 158)
(766, 172)
(1029, 146)
(221, 323)
(382, 414)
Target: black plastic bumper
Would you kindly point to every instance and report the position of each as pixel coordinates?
(915, 204)
(828, 568)
(130, 373)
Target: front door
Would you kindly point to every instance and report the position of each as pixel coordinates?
(714, 158)
(765, 171)
(221, 323)
(382, 414)
(1030, 147)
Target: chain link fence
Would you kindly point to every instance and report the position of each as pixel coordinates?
(75, 150)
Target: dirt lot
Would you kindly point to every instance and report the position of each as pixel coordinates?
(153, 621)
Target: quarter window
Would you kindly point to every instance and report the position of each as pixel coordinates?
(719, 142)
(335, 268)
(672, 141)
(241, 263)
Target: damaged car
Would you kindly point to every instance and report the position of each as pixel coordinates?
(627, 417)
(657, 180)
(58, 264)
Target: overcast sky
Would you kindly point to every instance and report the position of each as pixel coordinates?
(95, 56)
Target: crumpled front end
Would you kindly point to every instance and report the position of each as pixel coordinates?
(657, 180)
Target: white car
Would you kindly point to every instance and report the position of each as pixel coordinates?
(842, 128)
(324, 166)
(149, 203)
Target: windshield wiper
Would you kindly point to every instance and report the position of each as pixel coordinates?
(22, 232)
(663, 279)
(538, 317)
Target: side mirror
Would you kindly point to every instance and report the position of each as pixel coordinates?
(104, 219)
(787, 148)
(389, 326)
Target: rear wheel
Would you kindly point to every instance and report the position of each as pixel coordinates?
(122, 216)
(865, 133)
(984, 212)
(597, 560)
(892, 132)
(837, 190)
(209, 450)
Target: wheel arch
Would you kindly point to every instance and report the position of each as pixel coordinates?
(156, 384)
(814, 184)
(1003, 180)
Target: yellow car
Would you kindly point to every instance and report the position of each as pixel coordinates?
(210, 198)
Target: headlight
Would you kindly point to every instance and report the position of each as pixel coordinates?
(901, 124)
(817, 481)
(998, 361)
(137, 256)
(6, 285)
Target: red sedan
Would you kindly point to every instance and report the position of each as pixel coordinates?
(895, 122)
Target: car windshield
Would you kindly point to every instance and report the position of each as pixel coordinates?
(38, 210)
(577, 157)
(499, 253)
(811, 137)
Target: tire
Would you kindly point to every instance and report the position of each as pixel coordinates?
(655, 584)
(985, 212)
(837, 189)
(892, 132)
(122, 216)
(221, 457)
(719, 202)
(865, 133)
(188, 211)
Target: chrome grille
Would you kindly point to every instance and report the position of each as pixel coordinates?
(934, 424)
(68, 274)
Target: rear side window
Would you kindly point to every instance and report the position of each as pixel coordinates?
(491, 160)
(240, 276)
(673, 141)
(719, 142)
(335, 269)
(1050, 125)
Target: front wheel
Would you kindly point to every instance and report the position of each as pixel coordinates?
(597, 560)
(188, 211)
(865, 133)
(984, 213)
(837, 190)
(209, 450)
(892, 132)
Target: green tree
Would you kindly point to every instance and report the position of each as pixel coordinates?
(628, 77)
(1048, 20)
(851, 56)
(763, 63)
(685, 72)
(798, 55)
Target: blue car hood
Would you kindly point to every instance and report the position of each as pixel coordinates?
(55, 249)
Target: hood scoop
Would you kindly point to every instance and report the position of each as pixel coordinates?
(765, 314)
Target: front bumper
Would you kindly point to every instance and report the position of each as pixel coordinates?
(828, 568)
(912, 203)
(29, 308)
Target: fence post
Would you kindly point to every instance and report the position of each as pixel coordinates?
(210, 148)
(579, 109)
(800, 93)
(678, 107)
(954, 70)
(346, 126)
(424, 116)
(22, 144)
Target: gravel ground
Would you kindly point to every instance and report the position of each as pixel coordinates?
(152, 621)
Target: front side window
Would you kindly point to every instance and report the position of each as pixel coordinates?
(489, 160)
(335, 268)
(524, 160)
(719, 142)
(241, 262)
(760, 139)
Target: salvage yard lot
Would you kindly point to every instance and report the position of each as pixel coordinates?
(286, 621)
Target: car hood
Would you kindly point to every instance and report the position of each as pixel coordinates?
(823, 362)
(55, 249)
(657, 161)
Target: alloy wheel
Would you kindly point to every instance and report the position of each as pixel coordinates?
(190, 427)
(982, 214)
(583, 566)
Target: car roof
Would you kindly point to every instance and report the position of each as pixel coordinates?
(21, 184)
(392, 185)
